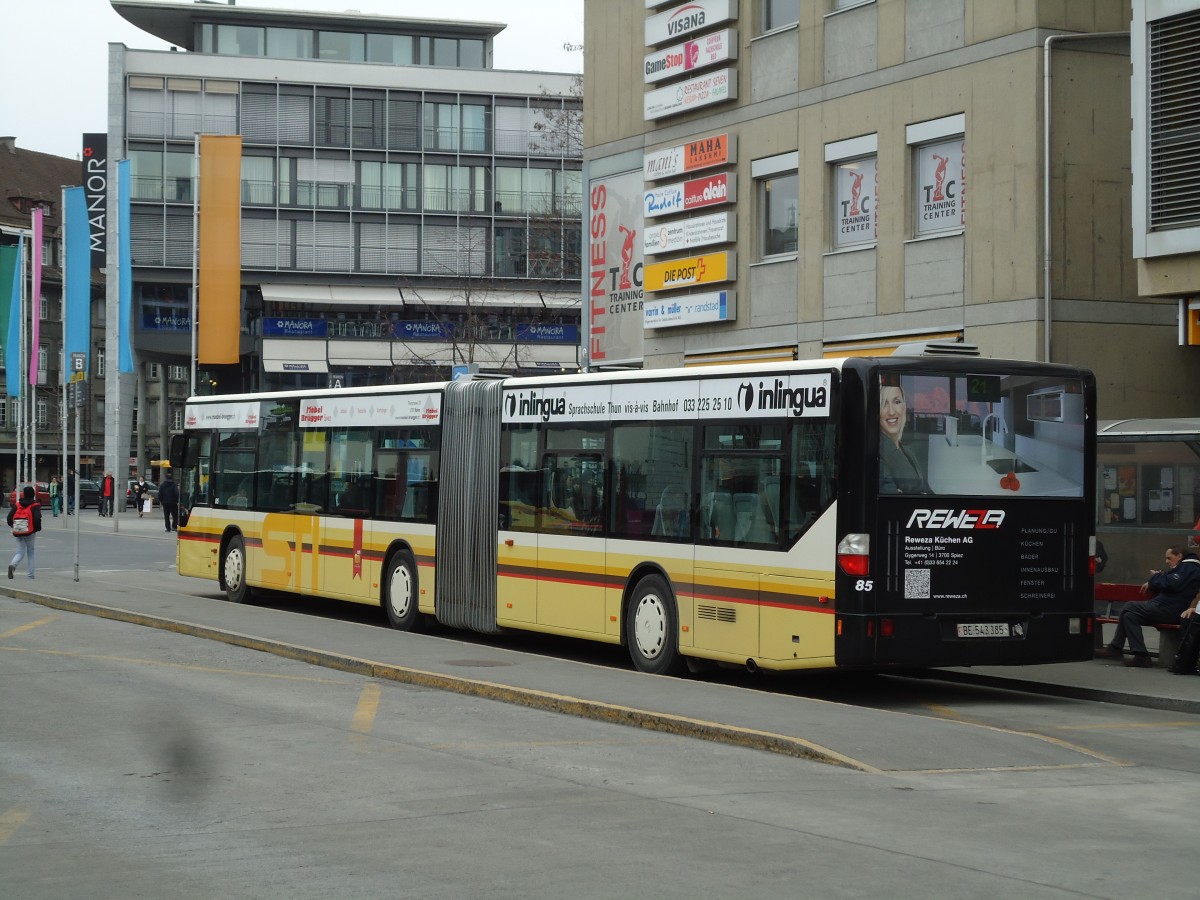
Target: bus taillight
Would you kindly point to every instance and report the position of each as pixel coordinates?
(853, 554)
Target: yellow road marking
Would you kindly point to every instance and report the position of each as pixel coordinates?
(11, 821)
(169, 665)
(364, 715)
(20, 629)
(950, 713)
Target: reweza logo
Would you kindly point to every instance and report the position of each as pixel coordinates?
(946, 519)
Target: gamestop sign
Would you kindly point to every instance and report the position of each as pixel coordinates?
(696, 93)
(680, 59)
(680, 21)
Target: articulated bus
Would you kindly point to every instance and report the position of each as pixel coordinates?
(861, 513)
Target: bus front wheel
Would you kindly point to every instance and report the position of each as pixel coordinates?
(651, 628)
(233, 570)
(400, 592)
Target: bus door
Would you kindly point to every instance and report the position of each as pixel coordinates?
(735, 522)
(570, 539)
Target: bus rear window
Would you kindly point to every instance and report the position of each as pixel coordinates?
(980, 435)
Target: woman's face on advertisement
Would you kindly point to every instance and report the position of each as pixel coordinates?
(891, 412)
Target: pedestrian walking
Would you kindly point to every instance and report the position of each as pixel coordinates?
(108, 488)
(168, 499)
(25, 520)
(55, 496)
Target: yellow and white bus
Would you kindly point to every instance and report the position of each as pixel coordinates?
(860, 512)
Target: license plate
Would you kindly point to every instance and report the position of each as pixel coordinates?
(983, 629)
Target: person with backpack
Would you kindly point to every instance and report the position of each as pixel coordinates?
(25, 520)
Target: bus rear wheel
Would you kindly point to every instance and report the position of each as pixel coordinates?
(652, 629)
(400, 592)
(233, 570)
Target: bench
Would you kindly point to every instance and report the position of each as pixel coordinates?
(1108, 593)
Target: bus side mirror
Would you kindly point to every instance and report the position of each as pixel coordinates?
(178, 454)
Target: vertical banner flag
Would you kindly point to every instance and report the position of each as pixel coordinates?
(78, 275)
(124, 272)
(95, 185)
(12, 330)
(35, 304)
(219, 303)
(10, 311)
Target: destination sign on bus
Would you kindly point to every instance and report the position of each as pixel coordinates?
(393, 409)
(752, 396)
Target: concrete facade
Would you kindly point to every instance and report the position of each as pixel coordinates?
(897, 76)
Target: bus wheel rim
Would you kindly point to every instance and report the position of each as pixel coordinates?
(650, 626)
(400, 593)
(233, 570)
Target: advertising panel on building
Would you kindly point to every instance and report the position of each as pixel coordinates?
(703, 231)
(708, 190)
(941, 186)
(855, 186)
(95, 192)
(689, 18)
(614, 260)
(694, 156)
(711, 268)
(695, 93)
(705, 50)
(690, 309)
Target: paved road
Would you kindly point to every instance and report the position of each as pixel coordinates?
(143, 761)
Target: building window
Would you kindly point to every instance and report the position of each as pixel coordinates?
(43, 305)
(176, 419)
(99, 355)
(779, 13)
(289, 43)
(454, 188)
(777, 190)
(387, 185)
(177, 373)
(43, 413)
(153, 371)
(939, 170)
(341, 46)
(240, 40)
(1174, 98)
(258, 181)
(855, 186)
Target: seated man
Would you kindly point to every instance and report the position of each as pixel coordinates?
(1173, 587)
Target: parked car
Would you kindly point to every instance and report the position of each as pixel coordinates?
(131, 494)
(89, 493)
(43, 494)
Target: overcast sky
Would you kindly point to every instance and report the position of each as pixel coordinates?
(58, 49)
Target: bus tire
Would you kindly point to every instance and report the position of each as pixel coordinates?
(233, 570)
(401, 591)
(652, 629)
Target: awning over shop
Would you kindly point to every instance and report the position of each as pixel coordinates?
(413, 298)
(291, 355)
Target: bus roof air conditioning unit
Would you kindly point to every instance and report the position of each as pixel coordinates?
(936, 348)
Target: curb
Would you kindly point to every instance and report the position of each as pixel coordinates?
(1072, 692)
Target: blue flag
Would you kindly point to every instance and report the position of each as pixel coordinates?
(125, 270)
(78, 293)
(12, 331)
